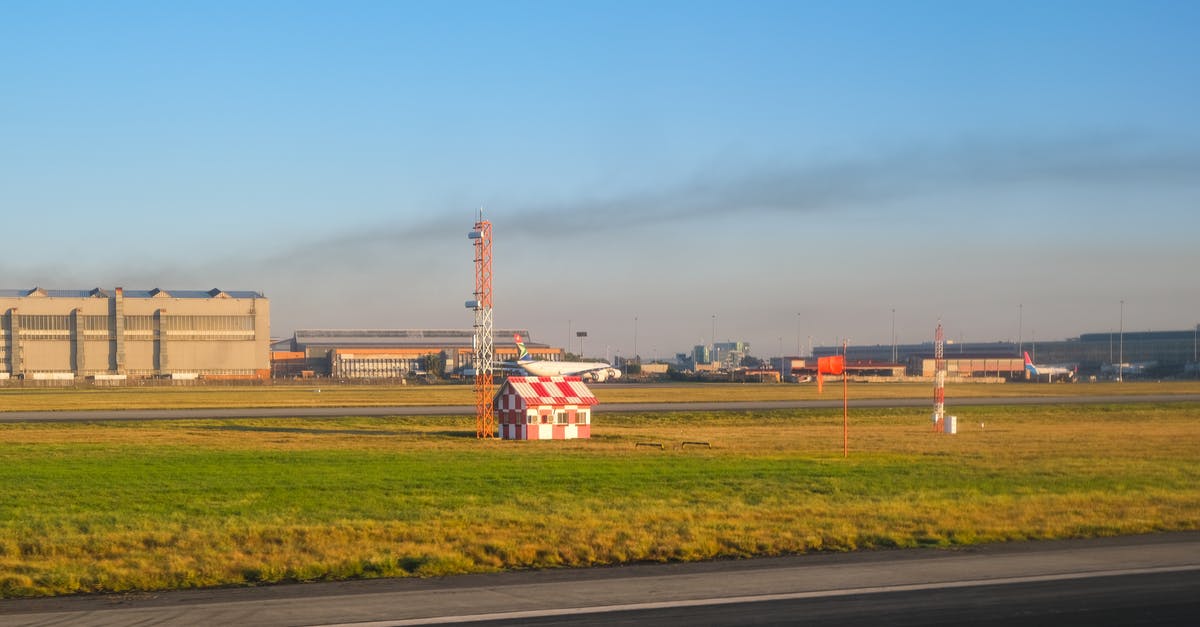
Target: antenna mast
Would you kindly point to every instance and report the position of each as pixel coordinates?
(485, 419)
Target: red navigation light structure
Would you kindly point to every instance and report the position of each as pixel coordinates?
(485, 354)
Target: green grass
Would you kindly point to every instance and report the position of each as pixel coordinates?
(335, 395)
(146, 506)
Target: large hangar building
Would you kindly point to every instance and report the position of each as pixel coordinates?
(115, 334)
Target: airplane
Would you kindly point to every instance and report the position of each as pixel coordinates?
(597, 371)
(1049, 372)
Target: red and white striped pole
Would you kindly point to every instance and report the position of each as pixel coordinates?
(939, 378)
(845, 401)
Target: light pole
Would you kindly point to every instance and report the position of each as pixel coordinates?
(798, 334)
(781, 358)
(635, 353)
(1121, 347)
(713, 356)
(1196, 350)
(1020, 323)
(893, 335)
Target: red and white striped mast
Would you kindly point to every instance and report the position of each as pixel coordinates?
(939, 378)
(485, 356)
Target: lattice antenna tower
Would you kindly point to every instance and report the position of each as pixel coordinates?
(939, 377)
(485, 354)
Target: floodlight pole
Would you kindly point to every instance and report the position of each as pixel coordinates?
(799, 349)
(1121, 348)
(713, 357)
(1020, 322)
(893, 335)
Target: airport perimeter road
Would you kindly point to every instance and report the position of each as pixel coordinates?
(1138, 579)
(467, 410)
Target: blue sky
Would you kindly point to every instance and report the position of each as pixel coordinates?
(790, 168)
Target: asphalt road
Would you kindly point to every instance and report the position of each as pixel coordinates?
(459, 410)
(1155, 599)
(1139, 579)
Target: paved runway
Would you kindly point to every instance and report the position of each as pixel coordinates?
(1149, 579)
(466, 410)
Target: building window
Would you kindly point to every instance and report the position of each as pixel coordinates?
(94, 323)
(581, 417)
(560, 417)
(530, 418)
(139, 323)
(44, 322)
(242, 323)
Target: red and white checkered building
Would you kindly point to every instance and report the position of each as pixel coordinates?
(544, 408)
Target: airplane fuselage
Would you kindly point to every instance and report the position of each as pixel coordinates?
(1034, 370)
(593, 370)
(587, 370)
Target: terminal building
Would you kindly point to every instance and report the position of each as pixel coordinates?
(1166, 349)
(101, 334)
(1162, 352)
(391, 353)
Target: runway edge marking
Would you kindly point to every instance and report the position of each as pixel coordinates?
(788, 596)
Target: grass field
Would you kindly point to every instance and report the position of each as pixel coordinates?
(153, 505)
(326, 395)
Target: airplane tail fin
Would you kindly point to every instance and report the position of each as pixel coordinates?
(1029, 364)
(522, 354)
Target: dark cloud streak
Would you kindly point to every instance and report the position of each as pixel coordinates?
(782, 188)
(850, 184)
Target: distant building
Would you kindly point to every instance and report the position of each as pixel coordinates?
(654, 368)
(394, 353)
(807, 368)
(114, 334)
(1092, 352)
(970, 366)
(883, 352)
(730, 354)
(717, 356)
(1170, 349)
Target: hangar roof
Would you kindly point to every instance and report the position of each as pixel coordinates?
(538, 391)
(38, 292)
(401, 337)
